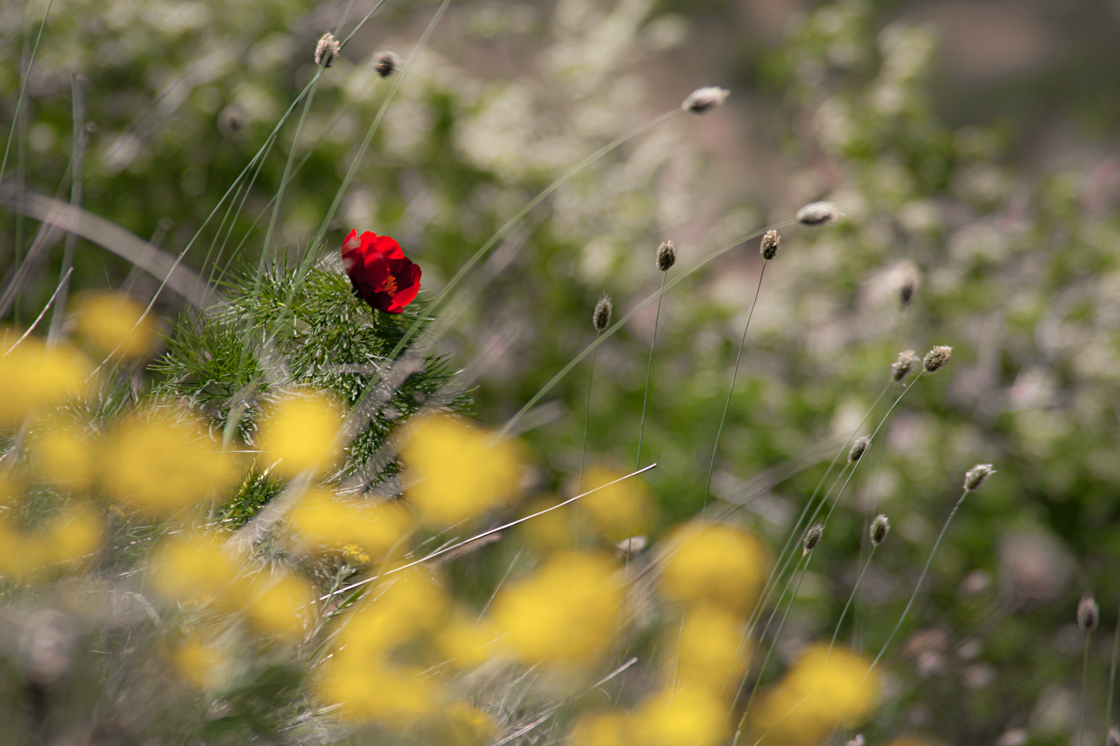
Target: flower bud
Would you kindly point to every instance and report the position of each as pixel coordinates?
(601, 317)
(976, 476)
(817, 213)
(327, 50)
(858, 448)
(703, 100)
(906, 362)
(880, 527)
(386, 63)
(812, 538)
(1088, 614)
(769, 246)
(906, 283)
(937, 357)
(666, 255)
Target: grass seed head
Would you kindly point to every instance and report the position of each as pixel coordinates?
(937, 357)
(703, 100)
(812, 538)
(327, 50)
(817, 213)
(906, 362)
(880, 527)
(1113, 737)
(601, 317)
(769, 246)
(858, 448)
(1088, 614)
(976, 476)
(666, 255)
(386, 63)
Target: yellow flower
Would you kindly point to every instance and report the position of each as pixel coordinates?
(302, 432)
(681, 717)
(202, 663)
(610, 728)
(75, 534)
(455, 471)
(281, 606)
(405, 607)
(820, 692)
(20, 556)
(115, 324)
(33, 377)
(385, 693)
(619, 511)
(198, 568)
(63, 456)
(708, 651)
(163, 462)
(325, 521)
(715, 564)
(465, 725)
(465, 641)
(550, 531)
(568, 613)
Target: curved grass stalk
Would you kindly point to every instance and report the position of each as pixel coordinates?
(851, 598)
(917, 587)
(731, 391)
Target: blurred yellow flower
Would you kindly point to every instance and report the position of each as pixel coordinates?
(21, 556)
(202, 663)
(75, 533)
(466, 641)
(302, 431)
(455, 471)
(163, 462)
(465, 725)
(34, 377)
(705, 653)
(715, 564)
(199, 568)
(389, 694)
(568, 613)
(619, 511)
(820, 692)
(11, 487)
(326, 522)
(281, 605)
(115, 324)
(63, 455)
(681, 717)
(403, 608)
(610, 728)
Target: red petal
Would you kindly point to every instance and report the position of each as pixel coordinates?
(388, 248)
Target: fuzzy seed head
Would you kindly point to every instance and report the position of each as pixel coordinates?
(327, 50)
(937, 357)
(856, 741)
(976, 476)
(858, 448)
(386, 63)
(817, 213)
(1088, 614)
(812, 538)
(880, 527)
(769, 246)
(703, 100)
(601, 317)
(1113, 737)
(906, 362)
(666, 255)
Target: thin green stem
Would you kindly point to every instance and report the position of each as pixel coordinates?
(1084, 689)
(586, 421)
(1112, 677)
(770, 651)
(649, 369)
(851, 598)
(730, 392)
(70, 246)
(23, 87)
(917, 587)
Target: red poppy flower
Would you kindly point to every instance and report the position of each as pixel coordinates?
(379, 271)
